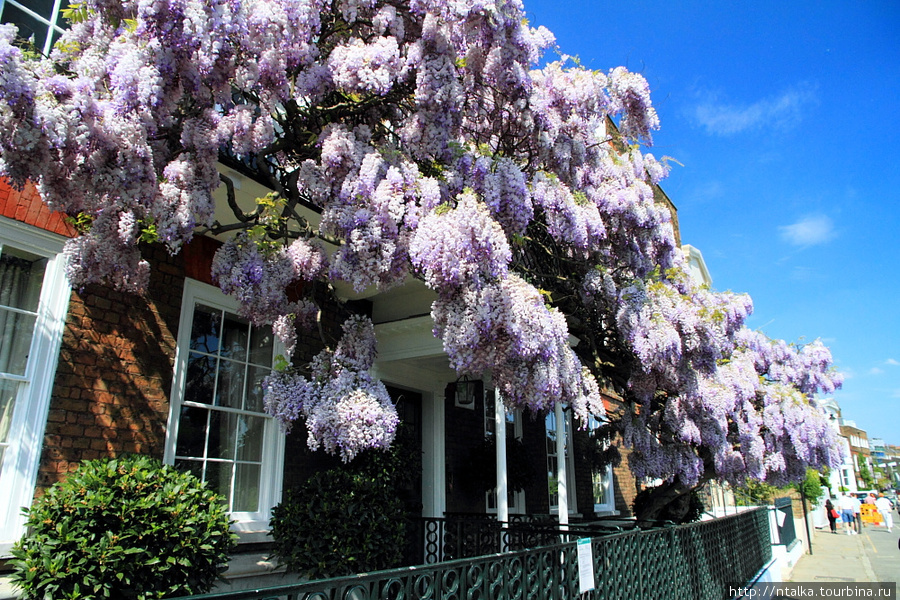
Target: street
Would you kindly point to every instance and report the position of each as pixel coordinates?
(872, 556)
(884, 555)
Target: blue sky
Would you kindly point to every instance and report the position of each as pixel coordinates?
(786, 119)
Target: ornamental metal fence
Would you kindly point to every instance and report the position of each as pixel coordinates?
(699, 560)
(470, 535)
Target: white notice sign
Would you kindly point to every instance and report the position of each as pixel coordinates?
(585, 565)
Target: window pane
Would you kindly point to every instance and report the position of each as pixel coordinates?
(206, 329)
(21, 276)
(254, 401)
(261, 346)
(600, 488)
(61, 21)
(41, 7)
(218, 476)
(489, 413)
(222, 432)
(234, 337)
(16, 330)
(192, 432)
(246, 488)
(250, 437)
(195, 467)
(230, 390)
(8, 390)
(29, 27)
(200, 382)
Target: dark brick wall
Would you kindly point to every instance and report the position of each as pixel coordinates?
(463, 432)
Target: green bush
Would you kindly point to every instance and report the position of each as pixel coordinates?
(127, 528)
(339, 523)
(684, 509)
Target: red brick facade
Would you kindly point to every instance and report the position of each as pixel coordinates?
(26, 207)
(115, 373)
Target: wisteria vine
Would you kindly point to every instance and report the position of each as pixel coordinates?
(433, 147)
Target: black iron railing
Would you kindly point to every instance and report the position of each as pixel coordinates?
(469, 535)
(698, 560)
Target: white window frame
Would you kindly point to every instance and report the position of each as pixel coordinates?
(19, 473)
(608, 507)
(570, 462)
(272, 471)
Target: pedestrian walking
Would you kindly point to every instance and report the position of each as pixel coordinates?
(832, 514)
(884, 507)
(857, 516)
(847, 513)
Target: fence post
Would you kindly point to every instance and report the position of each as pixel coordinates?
(805, 518)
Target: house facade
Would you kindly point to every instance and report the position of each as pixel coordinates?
(175, 373)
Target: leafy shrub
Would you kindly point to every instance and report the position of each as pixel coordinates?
(338, 523)
(685, 509)
(127, 528)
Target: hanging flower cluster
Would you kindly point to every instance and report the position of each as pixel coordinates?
(257, 277)
(345, 409)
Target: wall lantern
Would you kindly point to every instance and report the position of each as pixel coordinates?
(464, 393)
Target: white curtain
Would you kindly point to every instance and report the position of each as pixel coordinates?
(20, 283)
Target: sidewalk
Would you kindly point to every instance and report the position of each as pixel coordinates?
(835, 557)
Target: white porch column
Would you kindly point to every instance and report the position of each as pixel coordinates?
(500, 436)
(434, 490)
(563, 504)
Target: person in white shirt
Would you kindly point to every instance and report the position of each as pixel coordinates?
(847, 505)
(884, 507)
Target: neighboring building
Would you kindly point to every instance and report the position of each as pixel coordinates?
(696, 265)
(842, 478)
(885, 459)
(860, 452)
(892, 465)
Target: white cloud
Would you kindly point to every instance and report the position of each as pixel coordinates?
(809, 231)
(708, 190)
(891, 362)
(784, 110)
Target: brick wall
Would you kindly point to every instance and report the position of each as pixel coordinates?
(114, 376)
(625, 488)
(26, 206)
(464, 432)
